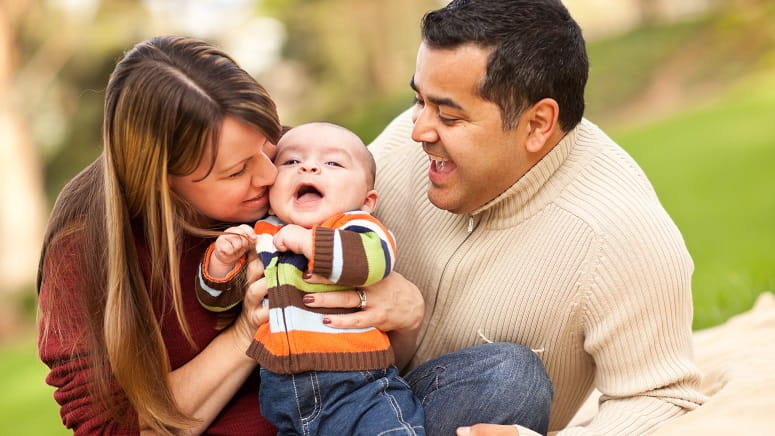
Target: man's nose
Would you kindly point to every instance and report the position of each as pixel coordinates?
(423, 130)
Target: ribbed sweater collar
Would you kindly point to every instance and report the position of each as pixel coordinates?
(533, 190)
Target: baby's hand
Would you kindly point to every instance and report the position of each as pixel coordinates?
(294, 238)
(229, 248)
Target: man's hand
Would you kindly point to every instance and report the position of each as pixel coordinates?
(488, 430)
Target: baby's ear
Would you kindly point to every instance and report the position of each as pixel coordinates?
(370, 202)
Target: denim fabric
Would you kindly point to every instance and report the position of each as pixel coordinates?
(340, 403)
(499, 383)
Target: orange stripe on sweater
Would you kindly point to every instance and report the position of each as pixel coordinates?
(314, 342)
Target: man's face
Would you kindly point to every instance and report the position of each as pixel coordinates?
(472, 159)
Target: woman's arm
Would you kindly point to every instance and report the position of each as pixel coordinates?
(204, 385)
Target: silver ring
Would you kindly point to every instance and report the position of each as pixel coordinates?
(363, 298)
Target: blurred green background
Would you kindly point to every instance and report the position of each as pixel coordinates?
(687, 88)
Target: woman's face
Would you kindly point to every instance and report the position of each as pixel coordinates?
(236, 190)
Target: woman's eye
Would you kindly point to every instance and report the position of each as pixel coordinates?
(418, 101)
(239, 173)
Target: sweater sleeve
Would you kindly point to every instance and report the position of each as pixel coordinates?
(638, 331)
(353, 249)
(220, 294)
(64, 348)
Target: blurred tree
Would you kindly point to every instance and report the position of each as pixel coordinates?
(55, 58)
(649, 11)
(357, 58)
(22, 205)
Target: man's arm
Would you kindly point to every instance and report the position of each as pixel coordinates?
(637, 326)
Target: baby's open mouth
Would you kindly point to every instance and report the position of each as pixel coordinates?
(308, 193)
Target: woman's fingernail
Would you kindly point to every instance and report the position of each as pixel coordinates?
(326, 320)
(308, 299)
(307, 275)
(462, 431)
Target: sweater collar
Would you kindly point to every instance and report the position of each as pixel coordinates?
(521, 200)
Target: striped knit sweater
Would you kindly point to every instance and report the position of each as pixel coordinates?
(577, 260)
(350, 249)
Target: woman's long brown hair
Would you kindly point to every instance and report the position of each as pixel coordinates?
(164, 104)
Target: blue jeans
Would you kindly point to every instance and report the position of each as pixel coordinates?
(499, 383)
(369, 403)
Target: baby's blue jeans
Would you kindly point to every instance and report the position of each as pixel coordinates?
(368, 403)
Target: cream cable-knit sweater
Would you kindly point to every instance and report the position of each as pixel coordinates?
(578, 260)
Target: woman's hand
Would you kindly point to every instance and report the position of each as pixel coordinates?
(204, 385)
(393, 303)
(253, 312)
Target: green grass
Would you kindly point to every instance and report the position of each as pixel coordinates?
(27, 406)
(712, 168)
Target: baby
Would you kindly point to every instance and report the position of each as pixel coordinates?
(316, 379)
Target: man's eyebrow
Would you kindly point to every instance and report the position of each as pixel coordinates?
(438, 101)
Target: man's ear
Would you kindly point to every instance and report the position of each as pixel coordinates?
(542, 125)
(370, 202)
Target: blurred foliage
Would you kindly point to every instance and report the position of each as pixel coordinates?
(358, 56)
(78, 57)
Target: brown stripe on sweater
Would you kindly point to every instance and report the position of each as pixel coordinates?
(287, 296)
(356, 271)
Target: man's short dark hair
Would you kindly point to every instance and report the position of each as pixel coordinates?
(538, 52)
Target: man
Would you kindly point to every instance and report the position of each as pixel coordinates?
(521, 222)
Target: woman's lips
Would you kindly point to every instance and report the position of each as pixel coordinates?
(257, 200)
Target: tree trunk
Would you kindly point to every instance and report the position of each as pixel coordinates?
(22, 198)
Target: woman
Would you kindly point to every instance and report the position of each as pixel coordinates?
(188, 143)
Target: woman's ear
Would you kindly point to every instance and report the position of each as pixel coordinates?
(370, 202)
(542, 125)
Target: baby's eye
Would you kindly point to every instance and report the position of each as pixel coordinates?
(290, 162)
(332, 163)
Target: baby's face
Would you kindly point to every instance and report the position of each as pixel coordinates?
(320, 172)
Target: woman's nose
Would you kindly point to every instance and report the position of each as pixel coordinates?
(265, 172)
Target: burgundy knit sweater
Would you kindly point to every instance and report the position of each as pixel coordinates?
(70, 371)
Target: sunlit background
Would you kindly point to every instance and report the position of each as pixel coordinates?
(687, 87)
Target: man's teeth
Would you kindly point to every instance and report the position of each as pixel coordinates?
(440, 164)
